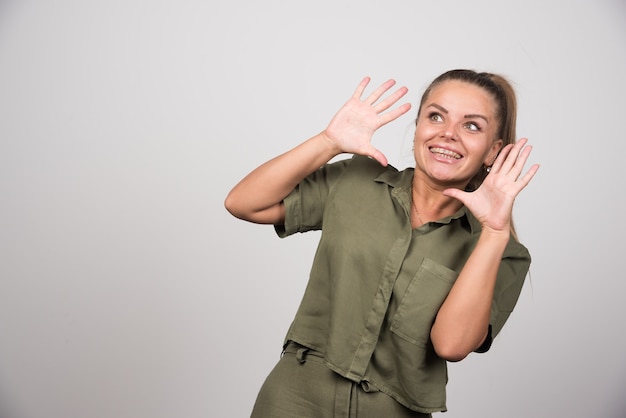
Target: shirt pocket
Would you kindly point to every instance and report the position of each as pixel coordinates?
(421, 302)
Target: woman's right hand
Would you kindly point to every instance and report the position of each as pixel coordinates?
(258, 197)
(352, 128)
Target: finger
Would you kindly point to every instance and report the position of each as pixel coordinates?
(509, 164)
(497, 164)
(394, 114)
(518, 153)
(361, 88)
(378, 156)
(457, 194)
(376, 94)
(391, 100)
(528, 176)
(518, 166)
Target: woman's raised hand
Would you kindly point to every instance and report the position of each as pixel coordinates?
(352, 128)
(492, 202)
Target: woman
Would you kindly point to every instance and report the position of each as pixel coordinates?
(414, 268)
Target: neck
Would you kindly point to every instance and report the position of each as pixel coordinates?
(429, 205)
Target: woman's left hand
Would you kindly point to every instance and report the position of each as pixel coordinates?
(492, 202)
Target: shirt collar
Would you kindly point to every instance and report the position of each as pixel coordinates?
(401, 182)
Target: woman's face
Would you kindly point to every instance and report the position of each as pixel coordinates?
(456, 133)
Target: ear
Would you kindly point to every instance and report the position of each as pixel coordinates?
(493, 152)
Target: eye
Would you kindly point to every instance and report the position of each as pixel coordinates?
(435, 117)
(472, 126)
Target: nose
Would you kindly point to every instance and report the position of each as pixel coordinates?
(449, 132)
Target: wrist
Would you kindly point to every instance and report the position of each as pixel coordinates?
(331, 143)
(495, 235)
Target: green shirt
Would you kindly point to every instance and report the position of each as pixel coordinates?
(376, 283)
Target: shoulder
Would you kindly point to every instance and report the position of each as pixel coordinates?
(366, 167)
(367, 163)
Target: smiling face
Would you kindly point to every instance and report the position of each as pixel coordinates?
(456, 133)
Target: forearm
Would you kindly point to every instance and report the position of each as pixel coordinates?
(462, 321)
(258, 197)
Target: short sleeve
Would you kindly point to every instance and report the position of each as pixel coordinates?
(305, 205)
(511, 276)
(509, 283)
(486, 345)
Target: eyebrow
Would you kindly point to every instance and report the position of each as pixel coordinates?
(469, 116)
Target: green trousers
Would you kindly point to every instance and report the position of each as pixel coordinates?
(302, 386)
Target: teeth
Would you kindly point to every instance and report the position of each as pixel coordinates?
(445, 153)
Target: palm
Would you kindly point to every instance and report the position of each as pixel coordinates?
(353, 127)
(492, 202)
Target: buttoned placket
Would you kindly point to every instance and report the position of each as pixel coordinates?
(375, 319)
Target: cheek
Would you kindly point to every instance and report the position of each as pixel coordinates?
(486, 151)
(423, 132)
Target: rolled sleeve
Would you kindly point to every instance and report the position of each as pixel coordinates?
(511, 277)
(305, 205)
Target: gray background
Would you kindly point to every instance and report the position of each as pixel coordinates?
(127, 291)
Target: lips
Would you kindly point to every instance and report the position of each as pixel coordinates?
(445, 153)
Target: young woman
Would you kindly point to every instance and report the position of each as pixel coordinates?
(414, 268)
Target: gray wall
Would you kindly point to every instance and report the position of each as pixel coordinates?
(127, 291)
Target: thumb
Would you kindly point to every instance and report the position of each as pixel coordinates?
(377, 155)
(457, 194)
